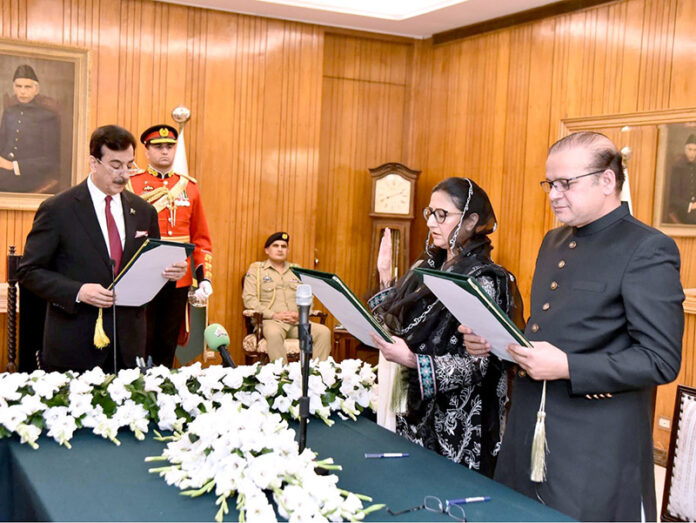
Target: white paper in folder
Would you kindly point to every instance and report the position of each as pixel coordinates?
(142, 279)
(352, 318)
(469, 311)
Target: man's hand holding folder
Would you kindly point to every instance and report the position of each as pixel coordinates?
(542, 362)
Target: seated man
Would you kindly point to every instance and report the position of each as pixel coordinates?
(269, 288)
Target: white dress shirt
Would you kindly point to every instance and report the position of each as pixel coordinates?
(99, 202)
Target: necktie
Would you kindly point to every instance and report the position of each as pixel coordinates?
(114, 238)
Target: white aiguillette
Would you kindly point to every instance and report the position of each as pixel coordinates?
(471, 306)
(141, 279)
(343, 304)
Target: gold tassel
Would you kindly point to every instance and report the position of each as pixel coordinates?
(101, 340)
(539, 447)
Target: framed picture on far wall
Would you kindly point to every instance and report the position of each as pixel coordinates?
(675, 179)
(43, 118)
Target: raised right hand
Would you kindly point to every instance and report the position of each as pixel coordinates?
(95, 294)
(475, 345)
(384, 258)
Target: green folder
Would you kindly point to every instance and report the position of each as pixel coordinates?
(471, 286)
(336, 283)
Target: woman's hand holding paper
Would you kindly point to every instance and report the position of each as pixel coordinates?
(398, 352)
(475, 345)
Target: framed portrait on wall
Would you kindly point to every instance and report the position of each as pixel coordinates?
(675, 179)
(43, 118)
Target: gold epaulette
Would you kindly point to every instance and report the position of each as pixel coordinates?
(189, 178)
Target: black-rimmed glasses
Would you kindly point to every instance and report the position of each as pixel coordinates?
(435, 504)
(440, 214)
(563, 184)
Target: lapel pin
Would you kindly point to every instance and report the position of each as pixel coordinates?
(132, 211)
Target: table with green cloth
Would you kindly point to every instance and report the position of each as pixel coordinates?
(99, 481)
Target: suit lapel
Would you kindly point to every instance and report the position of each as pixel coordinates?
(87, 217)
(129, 218)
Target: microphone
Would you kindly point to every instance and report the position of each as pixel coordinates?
(217, 339)
(303, 299)
(113, 309)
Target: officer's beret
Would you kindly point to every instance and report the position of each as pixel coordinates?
(691, 139)
(275, 237)
(159, 134)
(25, 71)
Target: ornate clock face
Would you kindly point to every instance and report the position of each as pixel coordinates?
(392, 195)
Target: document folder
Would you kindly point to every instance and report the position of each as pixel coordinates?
(471, 305)
(343, 304)
(141, 279)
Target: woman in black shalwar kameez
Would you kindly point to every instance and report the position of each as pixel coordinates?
(455, 402)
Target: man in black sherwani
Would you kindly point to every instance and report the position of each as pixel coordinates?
(606, 324)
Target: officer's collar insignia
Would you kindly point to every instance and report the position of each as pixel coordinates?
(157, 174)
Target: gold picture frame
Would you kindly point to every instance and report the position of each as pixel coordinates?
(675, 179)
(46, 162)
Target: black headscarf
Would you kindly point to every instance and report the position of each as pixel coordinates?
(471, 257)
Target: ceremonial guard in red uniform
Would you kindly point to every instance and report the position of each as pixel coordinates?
(181, 218)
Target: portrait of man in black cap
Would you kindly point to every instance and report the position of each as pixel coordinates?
(29, 138)
(681, 206)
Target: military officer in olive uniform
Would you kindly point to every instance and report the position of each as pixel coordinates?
(269, 288)
(181, 218)
(29, 139)
(606, 327)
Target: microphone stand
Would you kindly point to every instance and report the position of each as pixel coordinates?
(113, 311)
(305, 355)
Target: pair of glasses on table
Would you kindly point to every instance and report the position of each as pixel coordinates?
(435, 504)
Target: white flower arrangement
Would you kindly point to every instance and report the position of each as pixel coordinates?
(62, 403)
(249, 451)
(230, 427)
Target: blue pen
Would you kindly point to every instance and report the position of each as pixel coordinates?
(463, 501)
(387, 455)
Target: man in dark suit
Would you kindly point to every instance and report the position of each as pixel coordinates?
(29, 139)
(68, 253)
(606, 325)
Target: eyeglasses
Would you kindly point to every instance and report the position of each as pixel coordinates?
(440, 214)
(130, 168)
(563, 184)
(435, 504)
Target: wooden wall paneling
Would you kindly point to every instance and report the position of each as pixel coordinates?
(683, 59)
(658, 38)
(541, 49)
(363, 125)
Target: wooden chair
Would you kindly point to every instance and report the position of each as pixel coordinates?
(254, 344)
(26, 313)
(679, 497)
